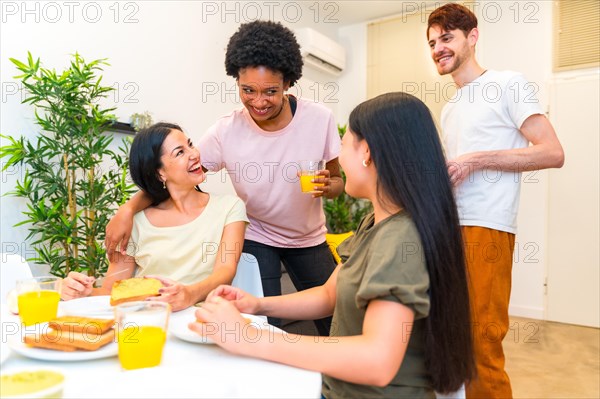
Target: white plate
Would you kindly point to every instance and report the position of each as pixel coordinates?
(91, 306)
(21, 348)
(178, 326)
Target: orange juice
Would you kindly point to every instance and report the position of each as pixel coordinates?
(38, 306)
(141, 346)
(307, 185)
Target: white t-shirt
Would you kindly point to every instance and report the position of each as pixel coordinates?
(485, 115)
(185, 253)
(263, 167)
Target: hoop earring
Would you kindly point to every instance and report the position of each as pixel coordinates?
(364, 163)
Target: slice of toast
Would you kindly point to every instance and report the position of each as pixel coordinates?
(69, 341)
(134, 289)
(37, 342)
(81, 324)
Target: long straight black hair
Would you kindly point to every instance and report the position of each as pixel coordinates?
(411, 173)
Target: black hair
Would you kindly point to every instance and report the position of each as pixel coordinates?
(264, 43)
(411, 173)
(144, 160)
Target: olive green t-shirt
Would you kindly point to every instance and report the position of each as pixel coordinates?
(386, 262)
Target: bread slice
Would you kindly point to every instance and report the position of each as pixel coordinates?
(81, 324)
(134, 289)
(37, 342)
(69, 341)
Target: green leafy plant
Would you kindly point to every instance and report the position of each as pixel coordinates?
(344, 212)
(71, 193)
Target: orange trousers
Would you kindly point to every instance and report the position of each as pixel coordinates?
(489, 257)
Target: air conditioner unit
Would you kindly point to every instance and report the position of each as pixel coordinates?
(320, 52)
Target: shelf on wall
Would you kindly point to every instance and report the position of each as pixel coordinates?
(121, 127)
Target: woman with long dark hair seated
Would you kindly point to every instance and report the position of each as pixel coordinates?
(399, 299)
(188, 239)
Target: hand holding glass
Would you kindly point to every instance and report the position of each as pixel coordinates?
(38, 299)
(141, 333)
(309, 170)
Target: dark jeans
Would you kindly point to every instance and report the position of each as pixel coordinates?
(307, 267)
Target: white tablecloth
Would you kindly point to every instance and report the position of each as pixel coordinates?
(187, 370)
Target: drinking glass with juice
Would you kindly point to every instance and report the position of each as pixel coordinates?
(37, 299)
(309, 170)
(141, 333)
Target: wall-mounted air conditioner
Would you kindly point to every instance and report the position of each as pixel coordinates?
(320, 52)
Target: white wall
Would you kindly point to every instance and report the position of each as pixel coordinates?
(353, 82)
(166, 57)
(573, 235)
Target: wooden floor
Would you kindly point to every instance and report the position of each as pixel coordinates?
(552, 360)
(543, 359)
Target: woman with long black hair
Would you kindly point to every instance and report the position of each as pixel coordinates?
(399, 300)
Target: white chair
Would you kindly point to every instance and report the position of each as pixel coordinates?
(12, 268)
(247, 276)
(460, 394)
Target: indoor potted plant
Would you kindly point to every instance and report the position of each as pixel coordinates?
(70, 191)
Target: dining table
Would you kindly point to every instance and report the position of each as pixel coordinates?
(189, 368)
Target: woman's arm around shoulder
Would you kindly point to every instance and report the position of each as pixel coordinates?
(118, 229)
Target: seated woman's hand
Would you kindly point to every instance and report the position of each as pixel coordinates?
(174, 293)
(243, 301)
(76, 285)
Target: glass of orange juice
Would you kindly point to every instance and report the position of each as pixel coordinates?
(309, 170)
(141, 333)
(38, 298)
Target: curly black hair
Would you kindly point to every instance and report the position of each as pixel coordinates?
(264, 43)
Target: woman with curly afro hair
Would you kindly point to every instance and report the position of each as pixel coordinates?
(260, 146)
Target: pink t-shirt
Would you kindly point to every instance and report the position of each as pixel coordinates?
(263, 168)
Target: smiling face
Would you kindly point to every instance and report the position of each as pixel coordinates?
(262, 93)
(450, 49)
(181, 161)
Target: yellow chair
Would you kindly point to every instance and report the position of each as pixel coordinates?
(334, 240)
